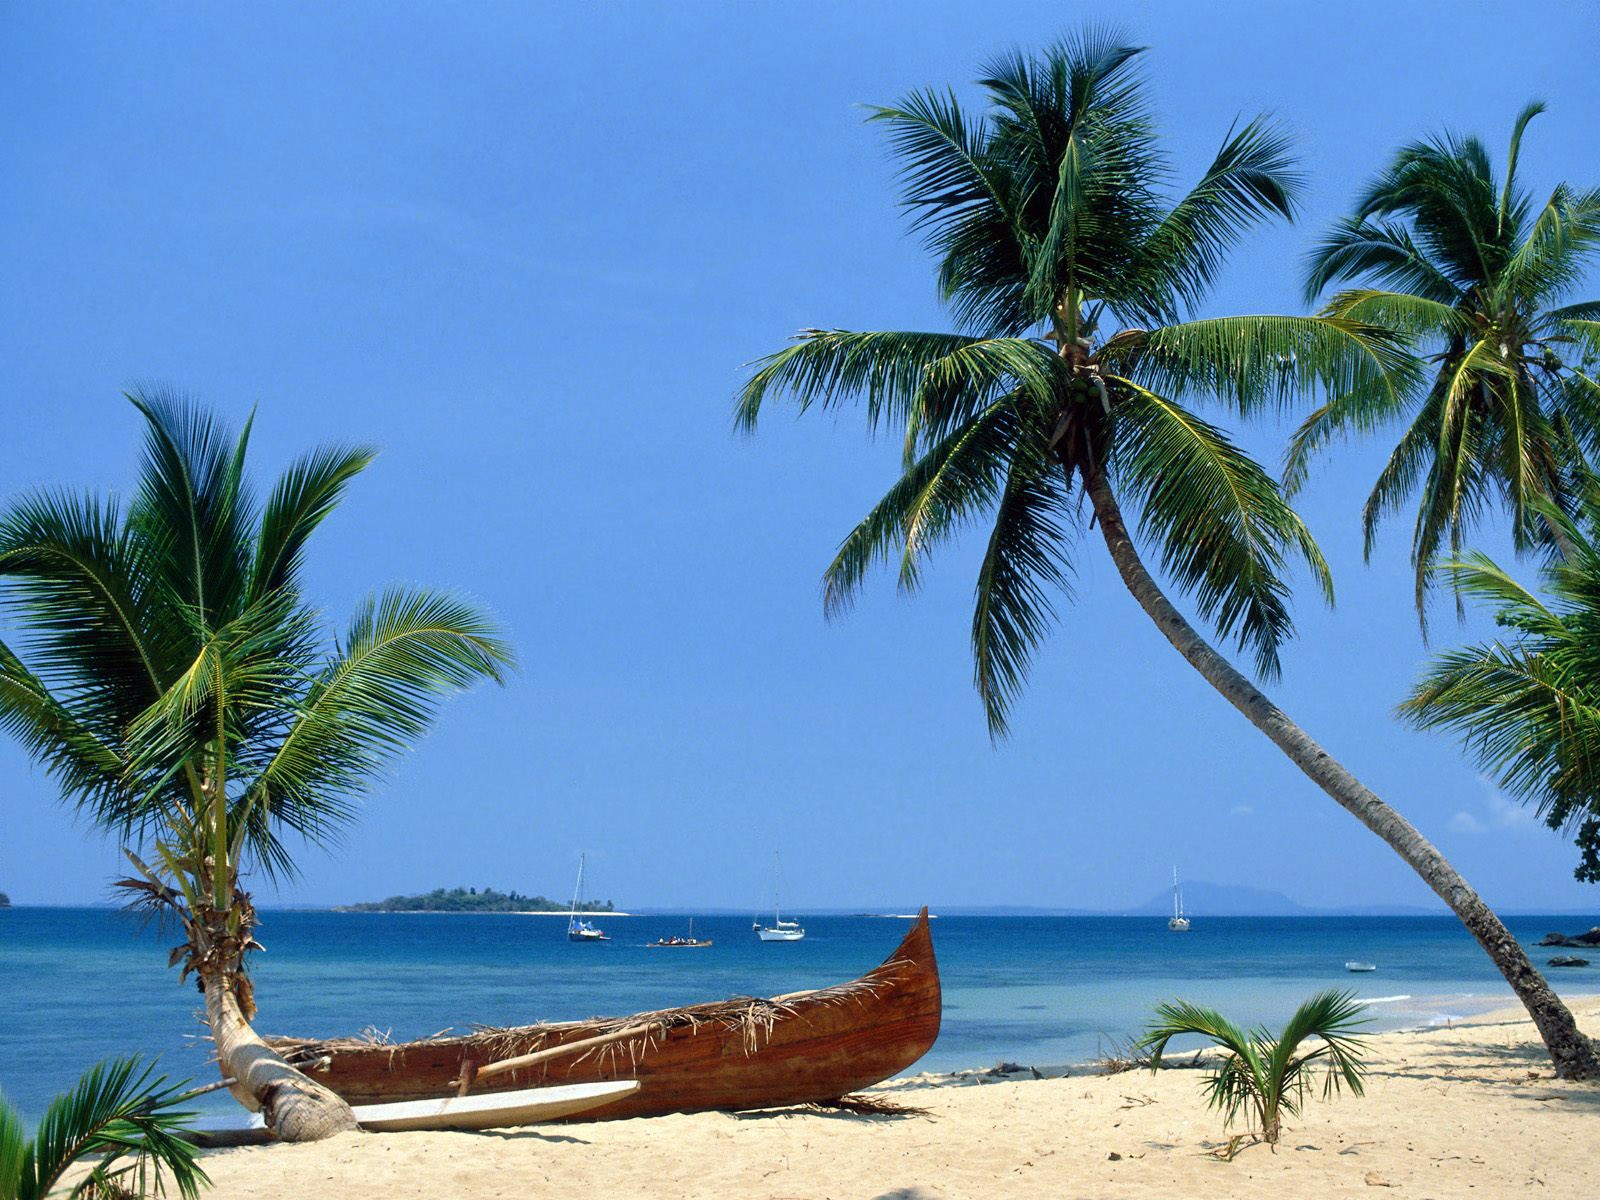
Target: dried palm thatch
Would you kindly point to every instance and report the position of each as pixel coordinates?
(861, 1104)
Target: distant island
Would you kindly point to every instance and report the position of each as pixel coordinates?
(5, 900)
(471, 900)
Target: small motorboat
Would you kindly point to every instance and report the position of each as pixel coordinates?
(1359, 967)
(680, 943)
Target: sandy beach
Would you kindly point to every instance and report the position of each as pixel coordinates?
(1469, 1110)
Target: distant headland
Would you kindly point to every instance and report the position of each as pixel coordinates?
(5, 900)
(472, 900)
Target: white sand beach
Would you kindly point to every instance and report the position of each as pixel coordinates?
(1470, 1110)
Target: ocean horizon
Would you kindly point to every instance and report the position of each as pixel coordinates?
(79, 984)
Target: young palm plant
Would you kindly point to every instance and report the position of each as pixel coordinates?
(1458, 262)
(171, 677)
(1266, 1078)
(119, 1116)
(1069, 275)
(1528, 705)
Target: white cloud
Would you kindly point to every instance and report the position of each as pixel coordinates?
(1496, 812)
(1241, 810)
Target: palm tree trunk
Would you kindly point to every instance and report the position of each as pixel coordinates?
(297, 1108)
(1573, 1053)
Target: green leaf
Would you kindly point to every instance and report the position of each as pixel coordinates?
(1221, 522)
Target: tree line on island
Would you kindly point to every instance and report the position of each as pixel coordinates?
(489, 900)
(171, 675)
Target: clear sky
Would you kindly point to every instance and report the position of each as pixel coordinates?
(526, 248)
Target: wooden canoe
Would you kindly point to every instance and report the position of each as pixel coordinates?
(737, 1054)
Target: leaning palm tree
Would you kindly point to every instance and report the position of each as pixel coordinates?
(1069, 275)
(170, 675)
(1527, 705)
(121, 1118)
(1457, 261)
(1266, 1078)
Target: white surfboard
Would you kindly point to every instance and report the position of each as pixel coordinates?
(490, 1110)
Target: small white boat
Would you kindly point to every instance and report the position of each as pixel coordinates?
(769, 934)
(490, 1110)
(1179, 923)
(581, 930)
(1360, 966)
(780, 930)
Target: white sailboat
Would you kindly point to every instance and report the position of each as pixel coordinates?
(580, 930)
(1179, 923)
(780, 930)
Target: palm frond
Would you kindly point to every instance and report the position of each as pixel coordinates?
(1336, 1019)
(1252, 178)
(191, 510)
(404, 652)
(1220, 520)
(1258, 361)
(953, 482)
(930, 381)
(1527, 708)
(74, 582)
(1382, 251)
(1025, 563)
(123, 1116)
(307, 492)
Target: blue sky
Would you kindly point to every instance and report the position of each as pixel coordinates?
(526, 249)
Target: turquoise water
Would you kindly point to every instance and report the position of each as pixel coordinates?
(80, 984)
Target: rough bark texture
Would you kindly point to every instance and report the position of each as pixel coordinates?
(1574, 1054)
(296, 1108)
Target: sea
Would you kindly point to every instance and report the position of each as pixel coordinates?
(81, 984)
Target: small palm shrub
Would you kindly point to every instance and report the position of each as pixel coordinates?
(120, 1118)
(1263, 1078)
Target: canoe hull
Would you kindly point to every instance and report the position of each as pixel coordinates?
(743, 1054)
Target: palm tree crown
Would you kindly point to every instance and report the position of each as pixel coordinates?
(1444, 252)
(1528, 704)
(1071, 276)
(172, 678)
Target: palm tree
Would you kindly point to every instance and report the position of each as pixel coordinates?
(117, 1115)
(172, 679)
(1456, 261)
(1528, 706)
(1263, 1077)
(1070, 274)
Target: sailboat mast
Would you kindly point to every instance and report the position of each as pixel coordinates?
(577, 890)
(777, 883)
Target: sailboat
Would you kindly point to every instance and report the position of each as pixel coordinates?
(579, 930)
(1179, 923)
(780, 930)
